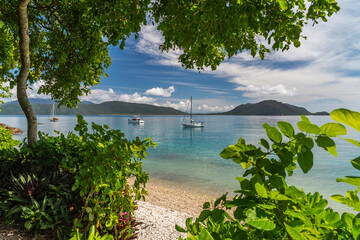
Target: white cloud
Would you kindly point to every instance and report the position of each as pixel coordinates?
(205, 108)
(199, 106)
(160, 91)
(268, 90)
(328, 65)
(101, 95)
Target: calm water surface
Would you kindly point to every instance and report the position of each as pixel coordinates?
(191, 156)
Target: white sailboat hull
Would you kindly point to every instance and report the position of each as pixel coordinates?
(193, 125)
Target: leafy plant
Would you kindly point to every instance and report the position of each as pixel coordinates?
(265, 207)
(71, 183)
(6, 140)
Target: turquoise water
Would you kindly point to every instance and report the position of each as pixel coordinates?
(191, 156)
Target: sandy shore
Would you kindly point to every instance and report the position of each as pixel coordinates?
(178, 197)
(168, 204)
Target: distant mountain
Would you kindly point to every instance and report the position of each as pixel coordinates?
(45, 101)
(269, 107)
(106, 108)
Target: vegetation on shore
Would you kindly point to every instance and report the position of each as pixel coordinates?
(265, 207)
(76, 185)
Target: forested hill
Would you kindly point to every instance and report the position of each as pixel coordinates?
(270, 107)
(105, 108)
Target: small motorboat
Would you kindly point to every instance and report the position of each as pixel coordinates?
(135, 119)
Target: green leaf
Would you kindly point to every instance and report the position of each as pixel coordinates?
(203, 215)
(356, 163)
(75, 186)
(332, 217)
(91, 217)
(326, 143)
(286, 129)
(264, 143)
(283, 4)
(305, 119)
(308, 127)
(356, 143)
(333, 129)
(350, 180)
(347, 117)
(356, 227)
(305, 159)
(179, 229)
(91, 232)
(228, 152)
(205, 235)
(347, 219)
(275, 195)
(272, 133)
(262, 224)
(261, 190)
(295, 234)
(28, 225)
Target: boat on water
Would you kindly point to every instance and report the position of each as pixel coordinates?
(52, 115)
(192, 123)
(135, 119)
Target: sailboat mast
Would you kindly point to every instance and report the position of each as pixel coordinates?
(190, 108)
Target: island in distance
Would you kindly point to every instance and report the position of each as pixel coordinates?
(267, 107)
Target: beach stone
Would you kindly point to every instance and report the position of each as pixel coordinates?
(13, 130)
(159, 222)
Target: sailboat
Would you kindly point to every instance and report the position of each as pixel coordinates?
(192, 123)
(52, 114)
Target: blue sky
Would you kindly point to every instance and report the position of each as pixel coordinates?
(321, 75)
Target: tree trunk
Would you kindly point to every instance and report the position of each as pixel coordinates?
(24, 72)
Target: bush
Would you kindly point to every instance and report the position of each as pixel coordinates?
(6, 140)
(76, 185)
(265, 207)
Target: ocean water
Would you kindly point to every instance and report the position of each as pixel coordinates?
(190, 157)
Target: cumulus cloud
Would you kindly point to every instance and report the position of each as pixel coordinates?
(160, 91)
(205, 108)
(279, 89)
(31, 91)
(101, 95)
(197, 108)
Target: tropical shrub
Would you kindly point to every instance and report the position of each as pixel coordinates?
(77, 185)
(6, 140)
(265, 207)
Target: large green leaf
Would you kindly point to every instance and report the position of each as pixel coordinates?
(327, 143)
(356, 143)
(228, 152)
(261, 190)
(356, 163)
(272, 133)
(350, 180)
(295, 234)
(305, 159)
(308, 127)
(286, 129)
(333, 129)
(347, 117)
(262, 224)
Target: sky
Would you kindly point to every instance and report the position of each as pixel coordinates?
(322, 75)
